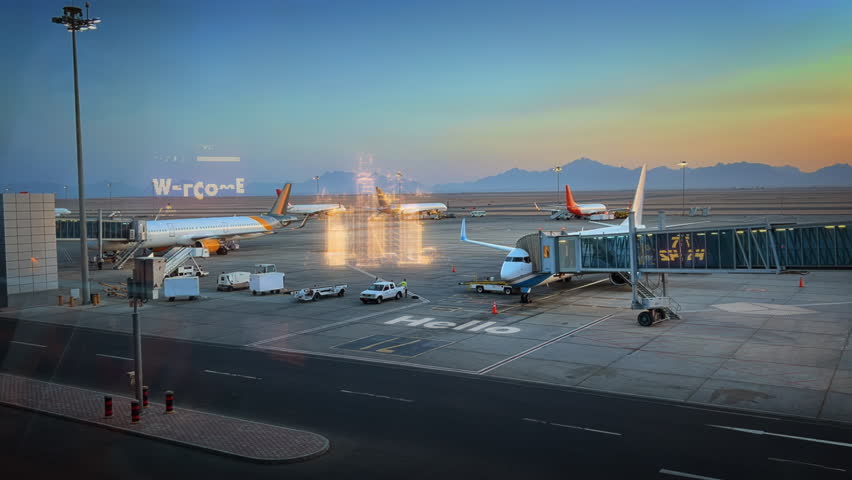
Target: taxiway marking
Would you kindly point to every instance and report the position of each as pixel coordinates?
(113, 356)
(575, 427)
(794, 437)
(29, 344)
(784, 460)
(376, 395)
(232, 375)
(540, 346)
(675, 473)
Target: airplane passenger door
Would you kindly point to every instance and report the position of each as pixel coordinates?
(171, 228)
(224, 228)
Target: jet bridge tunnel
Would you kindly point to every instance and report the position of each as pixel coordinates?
(772, 248)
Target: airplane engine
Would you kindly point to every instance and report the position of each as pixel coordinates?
(212, 245)
(617, 279)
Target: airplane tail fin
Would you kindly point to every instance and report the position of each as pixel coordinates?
(383, 198)
(281, 202)
(569, 198)
(638, 198)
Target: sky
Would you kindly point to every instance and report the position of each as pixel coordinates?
(440, 90)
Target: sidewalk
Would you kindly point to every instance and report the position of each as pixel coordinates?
(253, 441)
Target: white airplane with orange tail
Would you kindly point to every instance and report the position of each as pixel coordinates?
(213, 233)
(579, 210)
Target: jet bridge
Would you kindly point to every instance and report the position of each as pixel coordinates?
(766, 248)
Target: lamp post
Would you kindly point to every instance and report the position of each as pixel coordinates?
(74, 22)
(398, 180)
(682, 166)
(316, 180)
(66, 191)
(109, 187)
(557, 169)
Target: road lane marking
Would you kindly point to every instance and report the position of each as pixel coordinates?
(232, 374)
(113, 356)
(29, 344)
(539, 346)
(784, 460)
(574, 427)
(675, 473)
(376, 395)
(794, 437)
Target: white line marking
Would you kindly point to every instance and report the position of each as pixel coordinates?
(367, 359)
(29, 344)
(685, 475)
(375, 395)
(113, 356)
(575, 427)
(794, 437)
(233, 375)
(784, 460)
(539, 346)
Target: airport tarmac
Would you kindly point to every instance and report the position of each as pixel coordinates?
(754, 342)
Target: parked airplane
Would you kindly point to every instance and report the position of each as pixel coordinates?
(517, 268)
(385, 206)
(213, 233)
(579, 210)
(313, 210)
(61, 211)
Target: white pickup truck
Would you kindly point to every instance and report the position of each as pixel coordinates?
(314, 294)
(381, 291)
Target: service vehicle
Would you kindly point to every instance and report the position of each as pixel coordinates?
(490, 285)
(191, 270)
(478, 213)
(233, 281)
(381, 291)
(314, 293)
(266, 279)
(180, 287)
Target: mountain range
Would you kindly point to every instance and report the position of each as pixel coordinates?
(581, 174)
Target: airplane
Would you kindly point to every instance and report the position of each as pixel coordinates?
(313, 210)
(517, 268)
(385, 206)
(579, 210)
(61, 211)
(213, 233)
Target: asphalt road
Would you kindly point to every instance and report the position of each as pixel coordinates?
(386, 421)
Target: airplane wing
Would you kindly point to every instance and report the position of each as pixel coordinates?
(489, 245)
(548, 209)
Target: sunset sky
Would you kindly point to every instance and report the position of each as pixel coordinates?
(443, 90)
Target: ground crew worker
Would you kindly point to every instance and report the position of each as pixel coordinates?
(404, 284)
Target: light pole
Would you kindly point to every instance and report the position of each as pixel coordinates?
(557, 169)
(398, 180)
(316, 180)
(682, 166)
(66, 191)
(73, 20)
(109, 187)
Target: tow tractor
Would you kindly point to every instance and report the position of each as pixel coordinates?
(314, 294)
(490, 285)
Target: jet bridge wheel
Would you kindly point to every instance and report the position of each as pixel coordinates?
(645, 319)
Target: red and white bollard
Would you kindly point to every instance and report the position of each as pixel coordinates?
(170, 401)
(135, 411)
(107, 406)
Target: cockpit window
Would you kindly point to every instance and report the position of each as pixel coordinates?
(527, 260)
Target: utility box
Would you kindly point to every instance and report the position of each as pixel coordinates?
(148, 276)
(181, 287)
(262, 283)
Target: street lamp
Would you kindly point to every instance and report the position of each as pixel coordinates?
(398, 180)
(682, 166)
(66, 191)
(557, 169)
(109, 187)
(316, 179)
(73, 20)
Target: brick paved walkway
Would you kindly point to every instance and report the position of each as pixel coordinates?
(258, 442)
